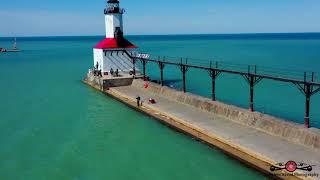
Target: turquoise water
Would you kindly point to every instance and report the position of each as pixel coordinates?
(54, 127)
(292, 54)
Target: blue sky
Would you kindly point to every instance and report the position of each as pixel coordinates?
(84, 17)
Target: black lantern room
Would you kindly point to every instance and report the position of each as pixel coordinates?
(113, 7)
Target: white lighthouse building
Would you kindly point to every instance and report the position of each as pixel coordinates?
(112, 53)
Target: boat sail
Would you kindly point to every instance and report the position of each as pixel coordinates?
(15, 44)
(14, 48)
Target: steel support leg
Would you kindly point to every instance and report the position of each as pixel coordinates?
(161, 76)
(161, 66)
(184, 70)
(144, 63)
(308, 90)
(213, 78)
(184, 79)
(307, 113)
(252, 80)
(213, 74)
(251, 94)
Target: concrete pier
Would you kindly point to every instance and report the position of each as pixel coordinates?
(256, 139)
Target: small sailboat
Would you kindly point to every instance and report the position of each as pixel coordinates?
(15, 43)
(14, 47)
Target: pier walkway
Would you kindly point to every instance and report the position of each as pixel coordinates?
(256, 144)
(307, 83)
(259, 140)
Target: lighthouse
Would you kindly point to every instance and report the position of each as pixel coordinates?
(113, 53)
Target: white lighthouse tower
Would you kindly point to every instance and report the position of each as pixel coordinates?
(112, 54)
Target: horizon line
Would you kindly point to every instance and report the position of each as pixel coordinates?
(190, 34)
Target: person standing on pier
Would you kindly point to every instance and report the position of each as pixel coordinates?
(117, 73)
(138, 101)
(97, 66)
(111, 71)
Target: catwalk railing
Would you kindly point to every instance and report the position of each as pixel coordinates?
(307, 83)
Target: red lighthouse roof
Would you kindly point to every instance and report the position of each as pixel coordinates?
(113, 43)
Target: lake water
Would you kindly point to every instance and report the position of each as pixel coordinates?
(54, 127)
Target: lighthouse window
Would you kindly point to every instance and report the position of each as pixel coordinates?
(114, 5)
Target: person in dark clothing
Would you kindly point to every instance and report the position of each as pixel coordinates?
(138, 101)
(117, 72)
(111, 71)
(97, 66)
